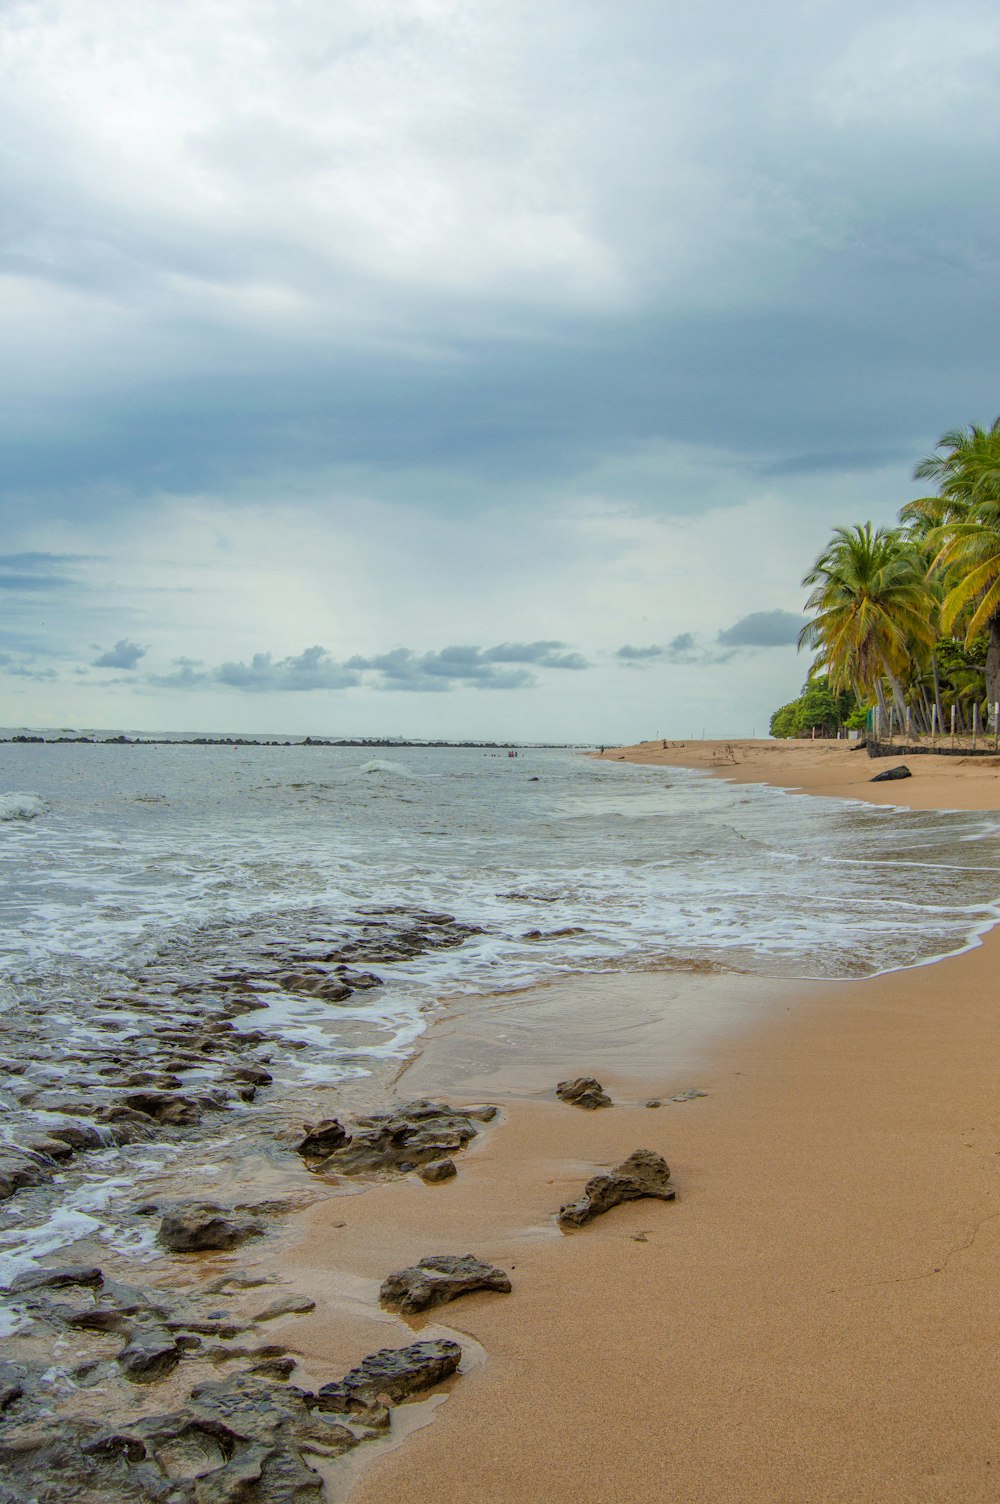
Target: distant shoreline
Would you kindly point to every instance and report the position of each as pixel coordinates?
(120, 739)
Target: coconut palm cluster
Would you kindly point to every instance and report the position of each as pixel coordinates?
(907, 619)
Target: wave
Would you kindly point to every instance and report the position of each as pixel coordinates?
(15, 806)
(379, 765)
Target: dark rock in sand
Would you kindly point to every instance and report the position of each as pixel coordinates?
(199, 1225)
(891, 774)
(407, 1136)
(439, 1278)
(437, 1170)
(391, 1374)
(644, 1173)
(584, 1091)
(322, 1138)
(150, 1353)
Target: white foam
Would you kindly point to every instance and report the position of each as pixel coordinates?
(26, 806)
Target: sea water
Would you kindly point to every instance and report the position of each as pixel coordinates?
(115, 859)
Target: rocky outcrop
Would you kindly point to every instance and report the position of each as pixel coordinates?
(644, 1173)
(150, 1354)
(413, 1134)
(891, 774)
(322, 1138)
(196, 1226)
(247, 1436)
(439, 1278)
(390, 1375)
(584, 1091)
(437, 1170)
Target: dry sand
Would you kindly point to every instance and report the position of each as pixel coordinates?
(814, 1319)
(833, 768)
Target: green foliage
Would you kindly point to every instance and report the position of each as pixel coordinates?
(819, 708)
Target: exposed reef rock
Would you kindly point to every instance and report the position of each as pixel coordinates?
(245, 1436)
(198, 1225)
(322, 1138)
(437, 1170)
(644, 1173)
(584, 1091)
(413, 1134)
(392, 1374)
(439, 1278)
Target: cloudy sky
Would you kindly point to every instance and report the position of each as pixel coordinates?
(470, 367)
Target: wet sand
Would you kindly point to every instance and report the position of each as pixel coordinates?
(814, 1318)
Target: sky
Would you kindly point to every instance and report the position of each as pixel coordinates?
(470, 368)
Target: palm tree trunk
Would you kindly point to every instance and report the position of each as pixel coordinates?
(897, 691)
(993, 663)
(937, 692)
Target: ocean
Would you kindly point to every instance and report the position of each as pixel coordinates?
(193, 919)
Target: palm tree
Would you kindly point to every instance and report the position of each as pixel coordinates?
(966, 535)
(874, 611)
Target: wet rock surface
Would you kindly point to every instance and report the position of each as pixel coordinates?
(439, 1278)
(583, 1091)
(437, 1170)
(164, 1052)
(401, 1139)
(249, 1434)
(392, 1374)
(644, 1173)
(200, 1225)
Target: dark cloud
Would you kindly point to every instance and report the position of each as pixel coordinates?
(629, 654)
(470, 666)
(124, 654)
(312, 669)
(544, 654)
(763, 629)
(400, 669)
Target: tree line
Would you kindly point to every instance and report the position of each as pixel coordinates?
(907, 618)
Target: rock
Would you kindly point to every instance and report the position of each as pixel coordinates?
(165, 1107)
(437, 1170)
(407, 1136)
(12, 1377)
(584, 1091)
(891, 774)
(322, 1138)
(54, 1279)
(689, 1095)
(255, 1074)
(644, 1173)
(151, 1352)
(19, 1169)
(50, 1148)
(439, 1278)
(275, 1368)
(286, 1305)
(78, 1136)
(391, 1374)
(654, 1102)
(198, 1225)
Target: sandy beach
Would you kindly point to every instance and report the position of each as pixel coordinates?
(814, 1318)
(837, 769)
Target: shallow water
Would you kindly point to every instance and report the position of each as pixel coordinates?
(131, 877)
